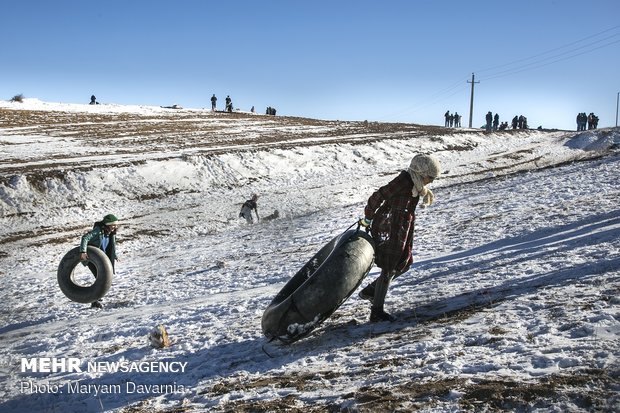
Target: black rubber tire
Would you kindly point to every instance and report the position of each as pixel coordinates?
(319, 287)
(77, 292)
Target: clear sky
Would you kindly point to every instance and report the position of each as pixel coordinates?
(377, 60)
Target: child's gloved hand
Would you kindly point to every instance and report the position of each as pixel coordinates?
(365, 222)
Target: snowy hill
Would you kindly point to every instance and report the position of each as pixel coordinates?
(512, 302)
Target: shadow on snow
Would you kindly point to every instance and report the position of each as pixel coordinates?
(226, 359)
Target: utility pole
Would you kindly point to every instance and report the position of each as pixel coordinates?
(471, 102)
(617, 100)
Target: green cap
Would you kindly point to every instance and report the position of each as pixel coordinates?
(110, 220)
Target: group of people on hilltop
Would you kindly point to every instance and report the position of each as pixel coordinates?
(452, 120)
(591, 120)
(492, 122)
(389, 218)
(229, 106)
(519, 122)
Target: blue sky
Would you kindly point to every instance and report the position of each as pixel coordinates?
(405, 61)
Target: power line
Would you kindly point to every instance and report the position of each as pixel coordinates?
(439, 97)
(429, 100)
(536, 61)
(537, 65)
(555, 49)
(556, 57)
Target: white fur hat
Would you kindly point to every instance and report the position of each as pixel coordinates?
(425, 165)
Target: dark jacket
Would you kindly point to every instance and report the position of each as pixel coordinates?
(392, 211)
(95, 238)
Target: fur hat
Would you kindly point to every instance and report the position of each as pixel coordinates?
(110, 220)
(425, 166)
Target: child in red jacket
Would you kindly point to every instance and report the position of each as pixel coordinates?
(390, 213)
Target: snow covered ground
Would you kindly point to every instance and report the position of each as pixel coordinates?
(512, 304)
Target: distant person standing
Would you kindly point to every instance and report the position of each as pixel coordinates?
(592, 120)
(93, 100)
(213, 102)
(247, 208)
(582, 119)
(515, 122)
(496, 122)
(457, 120)
(229, 106)
(489, 119)
(447, 116)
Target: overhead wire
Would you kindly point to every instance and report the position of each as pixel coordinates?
(539, 65)
(549, 57)
(429, 99)
(549, 51)
(536, 61)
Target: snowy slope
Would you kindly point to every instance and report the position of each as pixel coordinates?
(512, 302)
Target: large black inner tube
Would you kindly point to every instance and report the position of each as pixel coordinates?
(319, 287)
(75, 292)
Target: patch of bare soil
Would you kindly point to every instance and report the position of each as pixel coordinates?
(115, 138)
(588, 390)
(148, 406)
